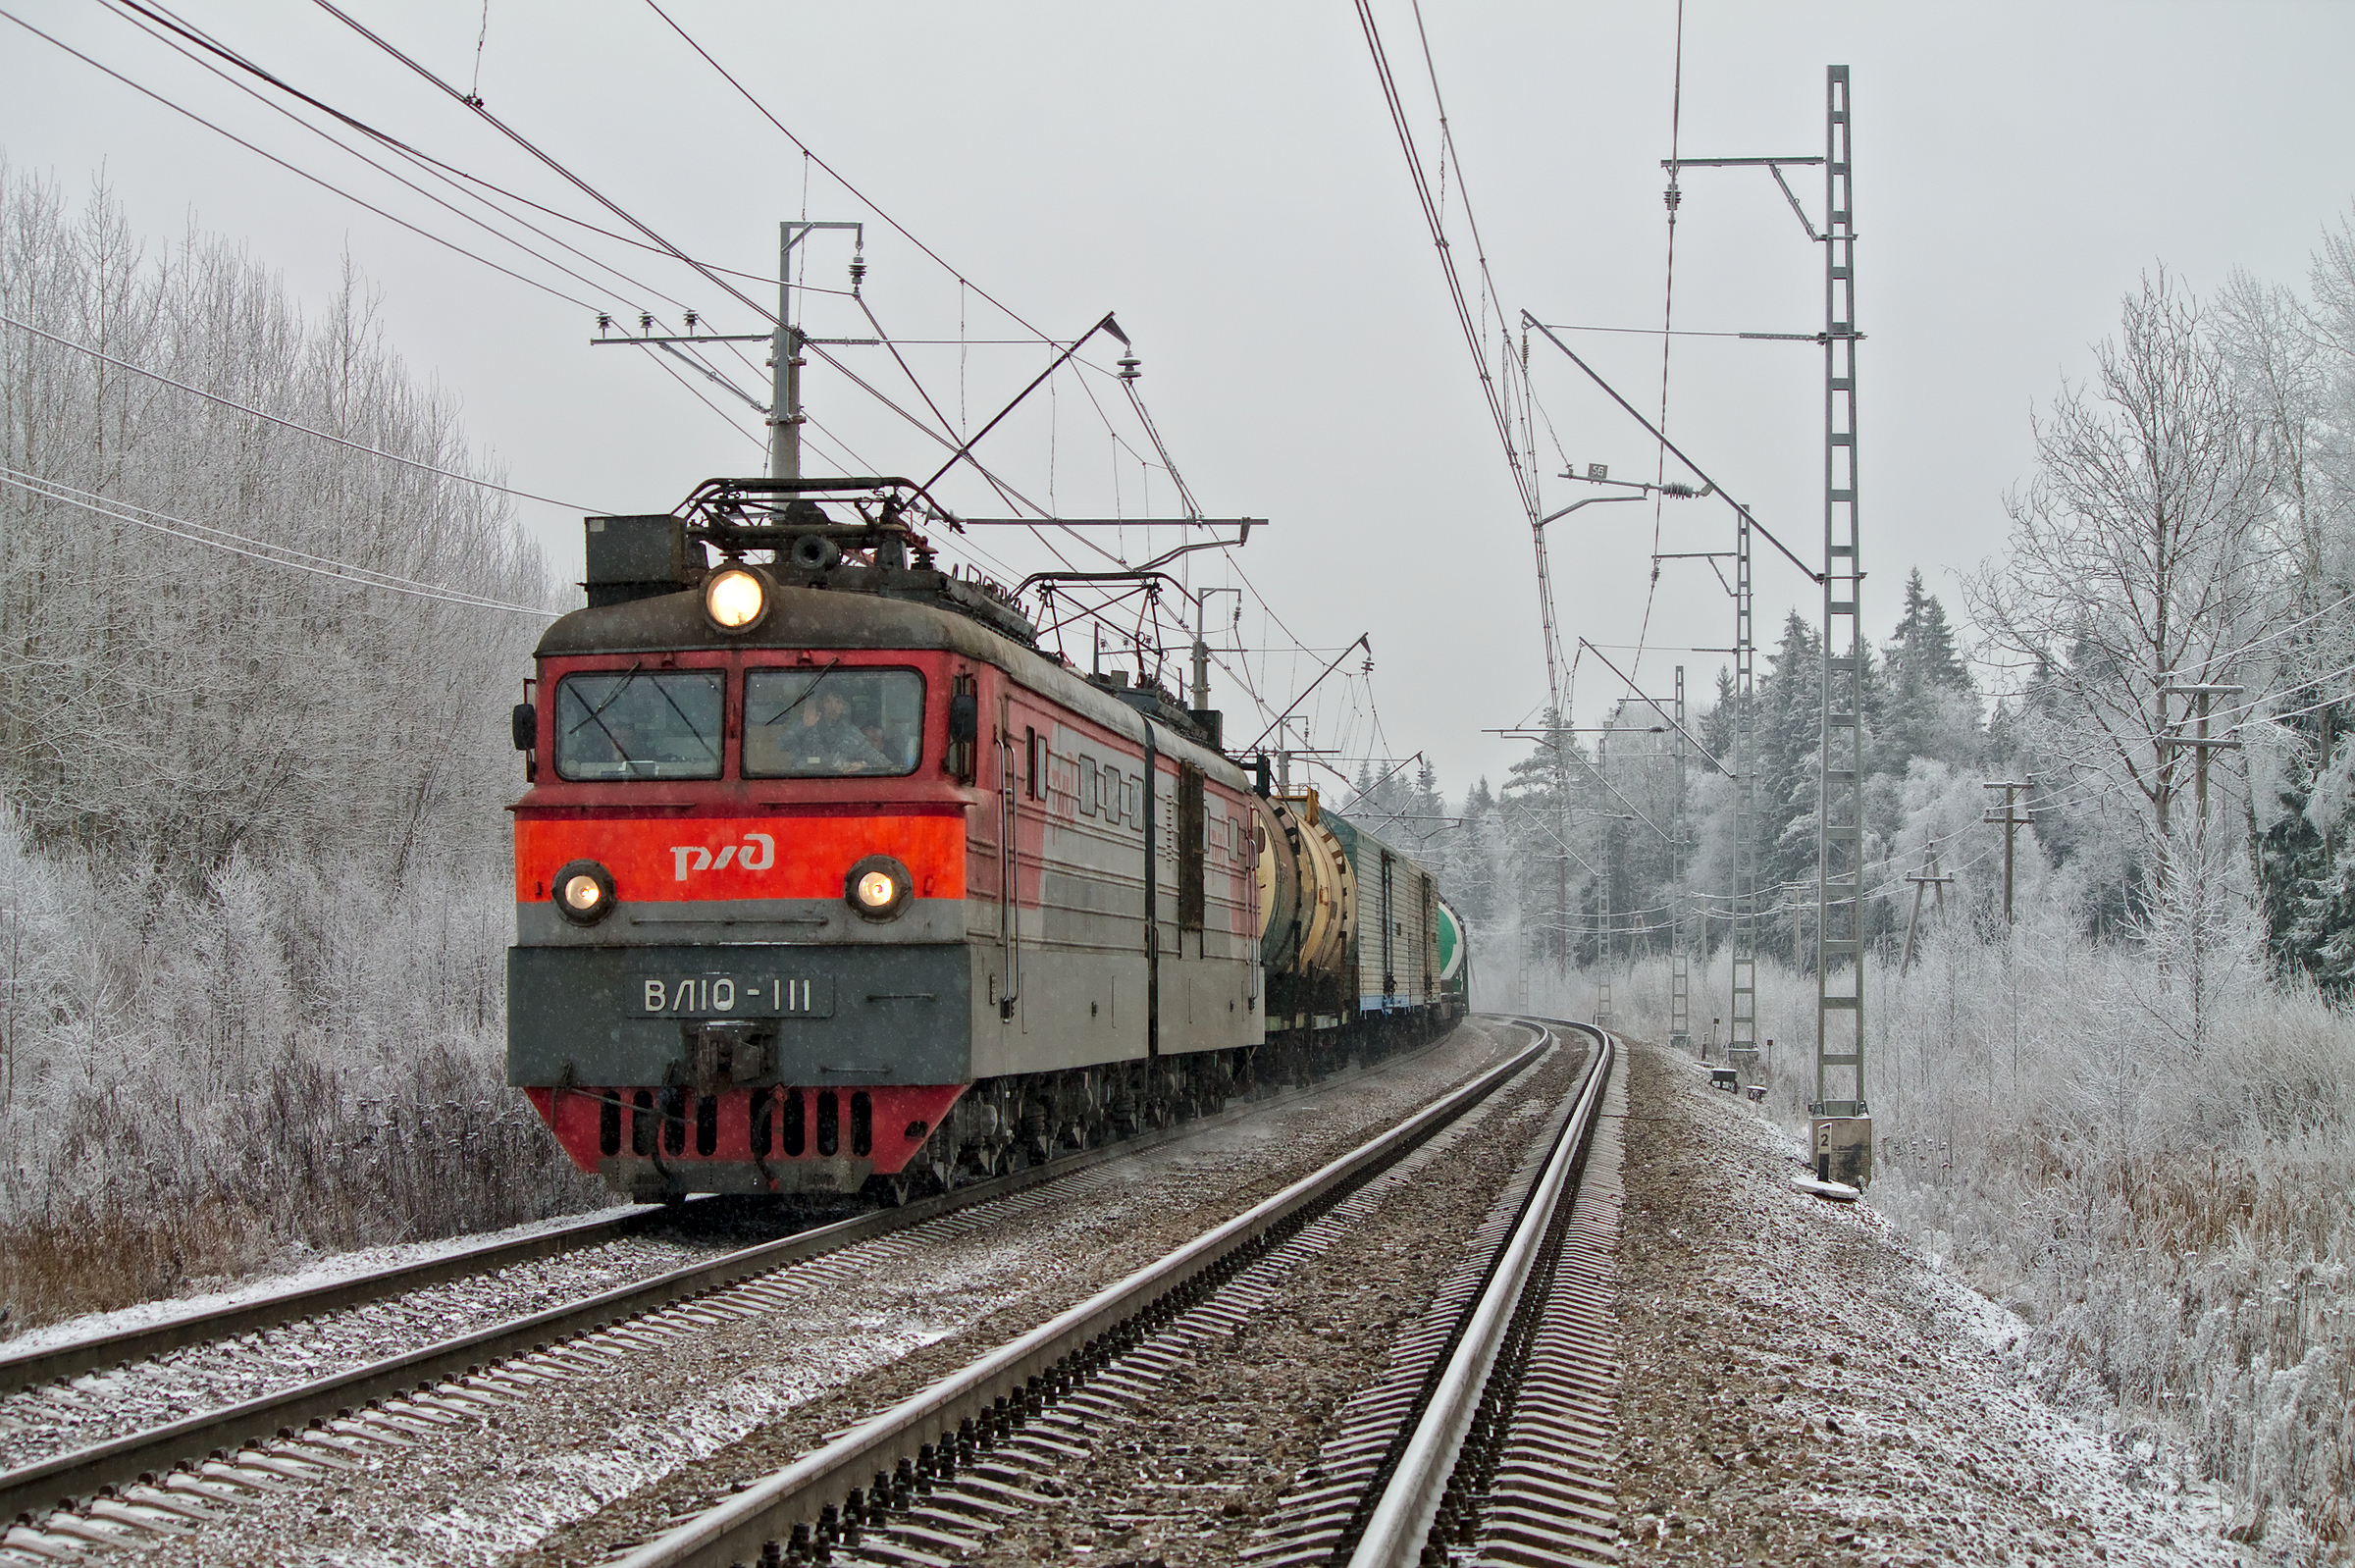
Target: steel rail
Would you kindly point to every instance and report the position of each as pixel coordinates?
(1017, 1375)
(1398, 1525)
(57, 1480)
(28, 1368)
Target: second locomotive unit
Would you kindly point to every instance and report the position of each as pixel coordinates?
(827, 879)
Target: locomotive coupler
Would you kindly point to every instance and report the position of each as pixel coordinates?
(726, 1054)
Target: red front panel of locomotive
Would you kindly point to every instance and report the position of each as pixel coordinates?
(740, 883)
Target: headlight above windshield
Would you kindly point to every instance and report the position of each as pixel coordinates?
(735, 598)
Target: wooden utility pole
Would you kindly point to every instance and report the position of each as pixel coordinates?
(1925, 878)
(2201, 743)
(2012, 821)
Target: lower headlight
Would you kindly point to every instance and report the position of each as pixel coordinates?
(584, 892)
(878, 887)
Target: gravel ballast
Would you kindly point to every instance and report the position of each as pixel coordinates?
(580, 1465)
(1801, 1386)
(1245, 1418)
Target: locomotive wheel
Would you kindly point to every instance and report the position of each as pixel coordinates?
(887, 1191)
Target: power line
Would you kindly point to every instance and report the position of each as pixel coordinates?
(1659, 474)
(811, 157)
(307, 430)
(262, 551)
(162, 17)
(1473, 329)
(396, 143)
(836, 175)
(388, 140)
(149, 23)
(1437, 224)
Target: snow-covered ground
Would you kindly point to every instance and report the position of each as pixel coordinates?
(1803, 1385)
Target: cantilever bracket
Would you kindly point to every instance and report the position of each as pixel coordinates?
(1773, 166)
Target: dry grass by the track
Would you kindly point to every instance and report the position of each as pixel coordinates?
(2165, 1205)
(197, 1087)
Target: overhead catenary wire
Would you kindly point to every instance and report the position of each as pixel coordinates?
(575, 180)
(162, 16)
(653, 243)
(1474, 335)
(1659, 475)
(812, 158)
(697, 393)
(300, 173)
(159, 26)
(1472, 325)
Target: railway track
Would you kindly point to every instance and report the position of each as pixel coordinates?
(1472, 1447)
(127, 1483)
(1504, 1459)
(29, 1369)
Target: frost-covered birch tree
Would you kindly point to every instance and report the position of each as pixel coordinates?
(2141, 561)
(252, 820)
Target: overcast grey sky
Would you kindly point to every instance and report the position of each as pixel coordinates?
(1225, 177)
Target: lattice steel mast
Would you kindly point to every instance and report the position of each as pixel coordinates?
(1742, 945)
(1680, 979)
(1840, 820)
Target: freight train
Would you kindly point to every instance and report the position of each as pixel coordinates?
(828, 879)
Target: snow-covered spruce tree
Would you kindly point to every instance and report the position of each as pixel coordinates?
(1929, 704)
(1788, 735)
(1551, 849)
(2293, 363)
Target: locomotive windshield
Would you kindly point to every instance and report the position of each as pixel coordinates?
(633, 724)
(832, 722)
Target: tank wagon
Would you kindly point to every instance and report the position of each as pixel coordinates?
(1351, 941)
(828, 879)
(1456, 959)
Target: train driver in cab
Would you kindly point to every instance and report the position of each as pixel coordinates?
(814, 736)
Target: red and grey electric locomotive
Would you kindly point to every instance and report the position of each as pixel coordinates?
(828, 879)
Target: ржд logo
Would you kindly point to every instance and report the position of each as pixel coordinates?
(760, 853)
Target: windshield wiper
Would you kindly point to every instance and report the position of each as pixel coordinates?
(664, 694)
(592, 717)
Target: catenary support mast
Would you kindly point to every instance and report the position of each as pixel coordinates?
(1742, 948)
(1840, 1031)
(785, 348)
(1680, 979)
